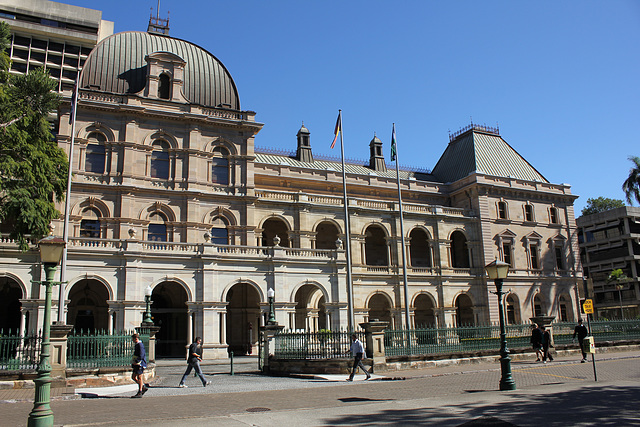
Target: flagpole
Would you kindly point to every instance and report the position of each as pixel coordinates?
(67, 207)
(347, 227)
(404, 248)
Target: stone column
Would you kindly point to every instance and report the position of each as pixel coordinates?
(374, 346)
(58, 359)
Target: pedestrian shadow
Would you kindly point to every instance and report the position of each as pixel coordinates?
(99, 396)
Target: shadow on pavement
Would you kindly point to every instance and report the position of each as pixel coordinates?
(362, 399)
(601, 406)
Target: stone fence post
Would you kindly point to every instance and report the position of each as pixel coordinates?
(374, 346)
(58, 339)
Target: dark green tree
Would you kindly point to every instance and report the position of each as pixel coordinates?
(33, 169)
(631, 185)
(601, 204)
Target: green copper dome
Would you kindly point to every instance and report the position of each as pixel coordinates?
(117, 65)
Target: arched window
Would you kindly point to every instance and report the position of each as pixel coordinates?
(90, 223)
(512, 312)
(528, 213)
(219, 232)
(157, 230)
(160, 160)
(537, 305)
(459, 250)
(375, 246)
(563, 308)
(326, 235)
(164, 87)
(275, 227)
(553, 216)
(502, 210)
(220, 166)
(419, 250)
(94, 160)
(464, 311)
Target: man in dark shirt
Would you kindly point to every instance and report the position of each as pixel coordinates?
(193, 360)
(581, 331)
(138, 363)
(536, 341)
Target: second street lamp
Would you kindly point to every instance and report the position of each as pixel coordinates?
(41, 415)
(498, 271)
(271, 320)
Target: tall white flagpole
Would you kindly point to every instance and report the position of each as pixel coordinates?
(67, 207)
(347, 230)
(394, 148)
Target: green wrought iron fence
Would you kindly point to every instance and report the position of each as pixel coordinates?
(323, 344)
(469, 339)
(18, 353)
(97, 350)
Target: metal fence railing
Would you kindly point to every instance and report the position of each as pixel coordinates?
(97, 350)
(314, 345)
(18, 353)
(469, 339)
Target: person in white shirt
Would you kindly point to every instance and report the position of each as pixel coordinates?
(357, 351)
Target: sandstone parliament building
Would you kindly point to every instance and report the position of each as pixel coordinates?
(170, 193)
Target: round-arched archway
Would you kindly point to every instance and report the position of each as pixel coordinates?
(464, 311)
(243, 318)
(311, 313)
(88, 310)
(424, 312)
(10, 305)
(380, 308)
(169, 312)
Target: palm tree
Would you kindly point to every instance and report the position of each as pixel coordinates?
(631, 186)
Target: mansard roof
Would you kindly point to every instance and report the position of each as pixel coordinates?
(117, 65)
(479, 149)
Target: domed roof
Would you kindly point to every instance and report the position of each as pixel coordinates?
(117, 65)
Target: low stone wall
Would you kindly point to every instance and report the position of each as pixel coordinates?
(403, 363)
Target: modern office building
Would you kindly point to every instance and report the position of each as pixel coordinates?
(52, 35)
(170, 194)
(609, 241)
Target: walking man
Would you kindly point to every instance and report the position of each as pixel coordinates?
(546, 343)
(582, 332)
(193, 362)
(536, 341)
(357, 351)
(138, 363)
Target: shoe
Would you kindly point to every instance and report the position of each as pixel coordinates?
(183, 385)
(368, 377)
(206, 384)
(544, 361)
(137, 395)
(583, 361)
(538, 359)
(349, 379)
(144, 389)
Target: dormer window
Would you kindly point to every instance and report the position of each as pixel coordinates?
(164, 86)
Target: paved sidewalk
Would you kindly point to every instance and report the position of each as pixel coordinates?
(448, 394)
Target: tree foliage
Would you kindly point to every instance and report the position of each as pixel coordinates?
(33, 169)
(601, 204)
(631, 185)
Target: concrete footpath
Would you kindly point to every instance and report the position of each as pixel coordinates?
(560, 393)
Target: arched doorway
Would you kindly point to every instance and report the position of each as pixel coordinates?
(88, 310)
(419, 250)
(10, 295)
(326, 235)
(310, 309)
(424, 312)
(459, 250)
(375, 246)
(169, 312)
(464, 311)
(513, 309)
(243, 309)
(380, 308)
(275, 227)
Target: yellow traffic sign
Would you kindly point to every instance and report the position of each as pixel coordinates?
(587, 306)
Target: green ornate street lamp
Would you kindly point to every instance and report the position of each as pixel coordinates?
(272, 314)
(147, 320)
(51, 248)
(498, 271)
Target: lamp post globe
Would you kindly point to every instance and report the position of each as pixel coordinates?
(147, 320)
(51, 248)
(498, 271)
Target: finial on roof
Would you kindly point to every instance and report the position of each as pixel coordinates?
(158, 25)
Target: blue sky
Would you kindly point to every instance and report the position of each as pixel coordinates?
(560, 78)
